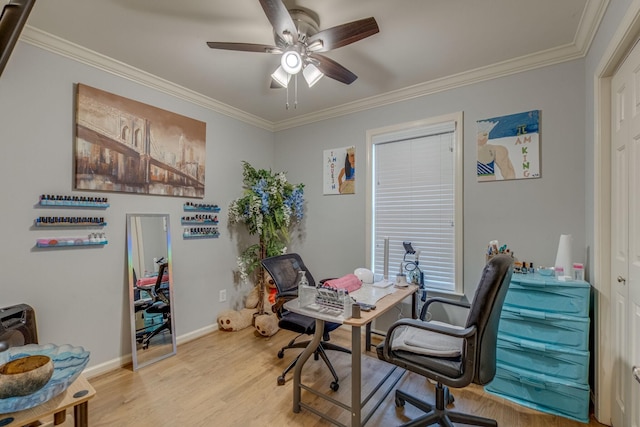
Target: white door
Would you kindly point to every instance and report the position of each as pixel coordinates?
(625, 240)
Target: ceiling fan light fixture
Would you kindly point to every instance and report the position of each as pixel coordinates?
(291, 61)
(312, 74)
(281, 77)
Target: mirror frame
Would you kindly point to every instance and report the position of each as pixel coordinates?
(137, 363)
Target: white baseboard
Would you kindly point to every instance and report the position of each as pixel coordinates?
(119, 362)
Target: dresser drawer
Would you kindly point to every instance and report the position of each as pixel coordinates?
(542, 392)
(541, 358)
(536, 292)
(548, 328)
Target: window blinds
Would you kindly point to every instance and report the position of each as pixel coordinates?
(413, 200)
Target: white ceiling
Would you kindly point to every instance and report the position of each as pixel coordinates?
(423, 45)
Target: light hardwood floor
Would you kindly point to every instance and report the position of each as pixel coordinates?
(229, 379)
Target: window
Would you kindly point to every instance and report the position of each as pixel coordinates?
(414, 194)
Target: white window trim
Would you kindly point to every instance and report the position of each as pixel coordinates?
(372, 134)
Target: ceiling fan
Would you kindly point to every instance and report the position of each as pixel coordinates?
(299, 41)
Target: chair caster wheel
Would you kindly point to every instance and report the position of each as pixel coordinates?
(399, 402)
(451, 399)
(280, 354)
(334, 386)
(280, 380)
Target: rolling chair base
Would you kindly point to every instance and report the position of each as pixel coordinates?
(319, 353)
(439, 414)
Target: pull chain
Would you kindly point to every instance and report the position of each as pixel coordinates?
(287, 103)
(295, 94)
(295, 100)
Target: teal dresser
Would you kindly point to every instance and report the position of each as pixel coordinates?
(543, 346)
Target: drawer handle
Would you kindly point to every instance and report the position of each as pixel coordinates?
(533, 383)
(636, 373)
(533, 345)
(533, 314)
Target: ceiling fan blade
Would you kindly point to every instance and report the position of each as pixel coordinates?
(245, 47)
(342, 35)
(280, 19)
(332, 69)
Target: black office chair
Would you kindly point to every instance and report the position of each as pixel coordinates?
(159, 304)
(452, 356)
(283, 270)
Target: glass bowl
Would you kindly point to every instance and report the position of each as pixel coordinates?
(68, 363)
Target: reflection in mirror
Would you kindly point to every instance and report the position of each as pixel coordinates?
(150, 288)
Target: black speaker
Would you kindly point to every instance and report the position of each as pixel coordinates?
(17, 326)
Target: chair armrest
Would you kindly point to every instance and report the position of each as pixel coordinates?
(441, 300)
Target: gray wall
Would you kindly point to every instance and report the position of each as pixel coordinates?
(528, 215)
(80, 295)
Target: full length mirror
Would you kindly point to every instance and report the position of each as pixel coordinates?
(150, 288)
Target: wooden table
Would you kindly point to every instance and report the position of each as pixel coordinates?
(365, 319)
(77, 395)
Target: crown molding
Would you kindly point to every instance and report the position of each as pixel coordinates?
(83, 55)
(589, 22)
(513, 66)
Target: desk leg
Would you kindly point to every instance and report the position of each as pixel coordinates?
(297, 373)
(81, 415)
(356, 376)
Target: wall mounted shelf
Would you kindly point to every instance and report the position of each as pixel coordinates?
(202, 223)
(60, 242)
(73, 201)
(201, 233)
(200, 207)
(69, 222)
(94, 238)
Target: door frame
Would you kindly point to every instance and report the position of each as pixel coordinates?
(620, 44)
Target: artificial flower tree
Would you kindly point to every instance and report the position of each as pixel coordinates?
(269, 207)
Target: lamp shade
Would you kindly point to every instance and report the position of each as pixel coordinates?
(312, 74)
(281, 77)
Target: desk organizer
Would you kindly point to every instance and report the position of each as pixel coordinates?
(324, 300)
(543, 346)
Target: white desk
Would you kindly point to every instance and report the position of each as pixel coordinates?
(356, 404)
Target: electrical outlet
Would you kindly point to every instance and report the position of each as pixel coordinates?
(223, 295)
